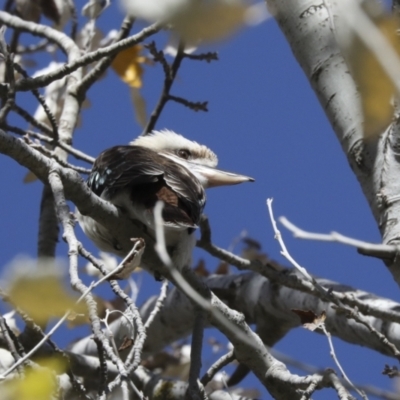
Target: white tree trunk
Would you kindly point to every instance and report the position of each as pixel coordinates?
(310, 26)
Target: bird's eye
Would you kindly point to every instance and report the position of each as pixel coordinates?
(184, 153)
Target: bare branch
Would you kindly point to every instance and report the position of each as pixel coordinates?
(170, 74)
(383, 250)
(69, 149)
(48, 225)
(217, 366)
(33, 121)
(195, 106)
(336, 360)
(42, 102)
(195, 390)
(208, 57)
(73, 65)
(158, 305)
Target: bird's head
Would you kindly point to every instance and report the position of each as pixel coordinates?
(197, 158)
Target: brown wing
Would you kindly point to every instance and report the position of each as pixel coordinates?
(149, 177)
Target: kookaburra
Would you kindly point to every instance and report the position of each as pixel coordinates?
(160, 166)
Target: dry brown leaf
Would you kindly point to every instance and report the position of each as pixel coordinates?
(200, 269)
(222, 268)
(310, 320)
(30, 177)
(126, 343)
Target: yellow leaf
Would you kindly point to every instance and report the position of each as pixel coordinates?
(127, 65)
(375, 87)
(43, 297)
(39, 383)
(210, 21)
(139, 104)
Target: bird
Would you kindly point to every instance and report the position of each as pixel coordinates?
(161, 166)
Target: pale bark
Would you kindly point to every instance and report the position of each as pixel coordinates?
(263, 304)
(310, 28)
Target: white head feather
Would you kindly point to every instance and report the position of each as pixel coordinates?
(167, 141)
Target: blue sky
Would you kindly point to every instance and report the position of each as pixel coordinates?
(263, 121)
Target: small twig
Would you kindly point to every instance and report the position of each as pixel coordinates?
(158, 56)
(193, 391)
(208, 57)
(14, 41)
(69, 149)
(102, 391)
(284, 250)
(380, 250)
(311, 369)
(31, 120)
(354, 314)
(158, 306)
(193, 105)
(335, 359)
(74, 19)
(328, 295)
(33, 48)
(66, 69)
(170, 72)
(324, 292)
(217, 366)
(9, 78)
(52, 154)
(48, 226)
(42, 102)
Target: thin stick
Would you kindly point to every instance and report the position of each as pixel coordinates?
(217, 366)
(170, 74)
(335, 359)
(339, 238)
(195, 355)
(158, 306)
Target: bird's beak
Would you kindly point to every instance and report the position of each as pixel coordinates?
(213, 177)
